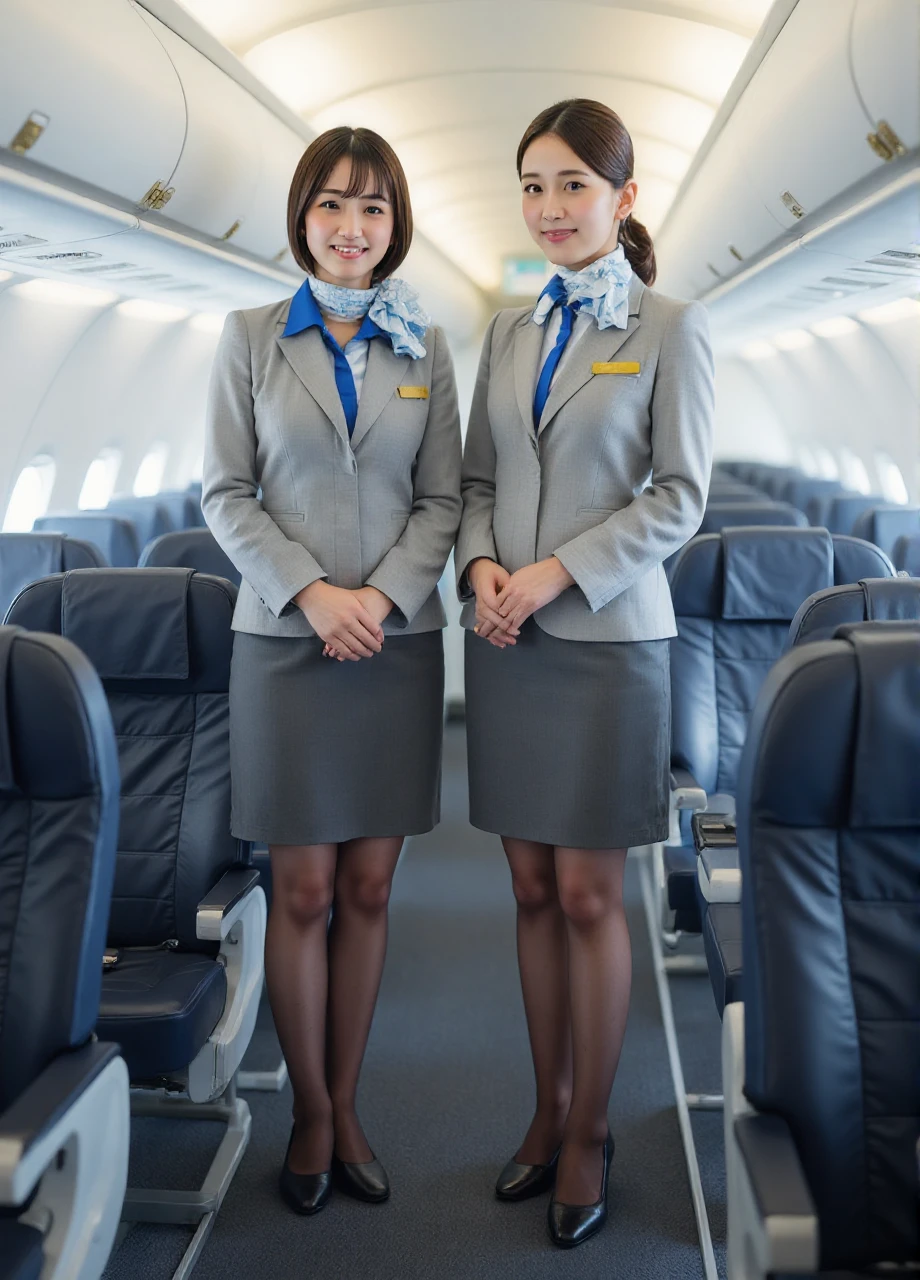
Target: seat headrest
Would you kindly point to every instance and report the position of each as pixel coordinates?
(116, 538)
(906, 554)
(142, 628)
(721, 515)
(768, 572)
(884, 525)
(193, 549)
(885, 790)
(25, 557)
(891, 599)
(139, 632)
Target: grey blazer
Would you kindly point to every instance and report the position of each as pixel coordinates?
(616, 479)
(381, 509)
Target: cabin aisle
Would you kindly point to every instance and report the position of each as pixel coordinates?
(447, 1092)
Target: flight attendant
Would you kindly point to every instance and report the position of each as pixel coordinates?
(332, 481)
(587, 463)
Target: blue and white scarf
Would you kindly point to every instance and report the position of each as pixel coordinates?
(392, 305)
(602, 288)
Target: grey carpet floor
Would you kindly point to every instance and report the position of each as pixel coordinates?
(446, 1095)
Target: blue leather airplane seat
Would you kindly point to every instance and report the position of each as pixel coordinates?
(774, 479)
(821, 1062)
(906, 554)
(148, 515)
(27, 556)
(58, 1088)
(116, 538)
(839, 512)
(870, 600)
(735, 594)
(725, 515)
(734, 491)
(181, 507)
(884, 525)
(161, 641)
(190, 549)
(188, 916)
(798, 490)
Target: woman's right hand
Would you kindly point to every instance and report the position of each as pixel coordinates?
(487, 579)
(340, 619)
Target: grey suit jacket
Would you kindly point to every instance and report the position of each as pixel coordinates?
(381, 509)
(616, 479)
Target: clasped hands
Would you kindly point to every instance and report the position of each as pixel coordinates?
(504, 601)
(348, 621)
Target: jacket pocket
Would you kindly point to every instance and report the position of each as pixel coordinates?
(295, 516)
(596, 511)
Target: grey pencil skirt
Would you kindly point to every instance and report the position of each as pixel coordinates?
(324, 751)
(568, 741)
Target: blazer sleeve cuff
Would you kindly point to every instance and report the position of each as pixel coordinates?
(288, 581)
(483, 549)
(406, 597)
(590, 576)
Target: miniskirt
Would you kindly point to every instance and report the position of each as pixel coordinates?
(323, 751)
(569, 741)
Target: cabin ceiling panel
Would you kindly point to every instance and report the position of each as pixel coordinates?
(240, 24)
(453, 83)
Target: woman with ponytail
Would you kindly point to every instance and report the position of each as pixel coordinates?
(587, 463)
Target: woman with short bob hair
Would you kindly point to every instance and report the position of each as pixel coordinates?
(587, 464)
(331, 479)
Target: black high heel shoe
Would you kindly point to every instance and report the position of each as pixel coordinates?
(304, 1192)
(572, 1224)
(367, 1181)
(521, 1181)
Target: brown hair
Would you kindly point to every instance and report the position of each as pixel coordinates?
(598, 136)
(371, 157)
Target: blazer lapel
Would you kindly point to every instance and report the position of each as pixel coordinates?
(383, 375)
(595, 345)
(528, 342)
(307, 355)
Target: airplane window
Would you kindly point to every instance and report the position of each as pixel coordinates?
(827, 464)
(807, 461)
(149, 478)
(99, 482)
(891, 478)
(853, 472)
(31, 495)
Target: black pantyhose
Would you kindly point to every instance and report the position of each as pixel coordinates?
(323, 982)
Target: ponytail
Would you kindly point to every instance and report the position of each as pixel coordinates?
(638, 248)
(598, 136)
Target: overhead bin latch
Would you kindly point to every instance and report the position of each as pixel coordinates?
(885, 142)
(792, 204)
(30, 133)
(157, 196)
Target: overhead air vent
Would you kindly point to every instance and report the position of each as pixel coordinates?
(14, 241)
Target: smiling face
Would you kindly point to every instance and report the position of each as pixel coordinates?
(573, 213)
(348, 237)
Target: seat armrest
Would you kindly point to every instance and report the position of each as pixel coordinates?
(686, 792)
(786, 1229)
(719, 874)
(37, 1110)
(220, 909)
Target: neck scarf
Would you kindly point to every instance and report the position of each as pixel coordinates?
(392, 305)
(602, 288)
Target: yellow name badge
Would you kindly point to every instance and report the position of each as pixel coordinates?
(412, 393)
(621, 366)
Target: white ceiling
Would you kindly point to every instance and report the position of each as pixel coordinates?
(452, 84)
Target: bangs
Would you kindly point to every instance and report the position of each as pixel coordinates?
(365, 175)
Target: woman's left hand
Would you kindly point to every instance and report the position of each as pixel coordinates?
(531, 588)
(378, 606)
